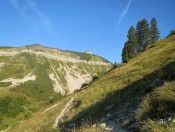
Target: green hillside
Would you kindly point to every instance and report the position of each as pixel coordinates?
(34, 77)
(137, 96)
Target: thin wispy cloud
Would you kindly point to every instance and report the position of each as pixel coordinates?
(125, 11)
(30, 13)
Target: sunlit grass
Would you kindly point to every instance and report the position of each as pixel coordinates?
(137, 69)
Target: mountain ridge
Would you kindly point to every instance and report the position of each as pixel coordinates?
(45, 51)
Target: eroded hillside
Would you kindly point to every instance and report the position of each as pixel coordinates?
(32, 77)
(67, 70)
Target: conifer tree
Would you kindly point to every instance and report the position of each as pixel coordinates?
(139, 36)
(125, 53)
(130, 47)
(140, 39)
(132, 42)
(143, 35)
(154, 32)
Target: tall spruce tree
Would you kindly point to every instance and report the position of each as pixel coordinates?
(129, 50)
(154, 32)
(139, 36)
(132, 42)
(143, 34)
(140, 39)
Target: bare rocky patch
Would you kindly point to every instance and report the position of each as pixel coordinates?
(16, 82)
(74, 83)
(56, 85)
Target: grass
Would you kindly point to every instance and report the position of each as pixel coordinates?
(157, 105)
(60, 71)
(81, 55)
(128, 81)
(41, 121)
(153, 126)
(86, 56)
(38, 93)
(62, 74)
(13, 69)
(10, 107)
(5, 84)
(42, 87)
(119, 85)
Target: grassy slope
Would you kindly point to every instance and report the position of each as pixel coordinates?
(123, 83)
(130, 80)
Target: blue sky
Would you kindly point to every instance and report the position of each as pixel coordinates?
(97, 25)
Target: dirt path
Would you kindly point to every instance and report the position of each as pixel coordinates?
(47, 109)
(64, 111)
(6, 129)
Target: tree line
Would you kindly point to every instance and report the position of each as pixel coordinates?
(140, 38)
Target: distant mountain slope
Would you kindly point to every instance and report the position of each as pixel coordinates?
(35, 76)
(68, 70)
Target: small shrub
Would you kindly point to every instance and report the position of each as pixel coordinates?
(117, 65)
(95, 77)
(11, 107)
(84, 85)
(84, 56)
(3, 126)
(28, 114)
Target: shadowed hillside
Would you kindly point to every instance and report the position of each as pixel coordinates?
(122, 89)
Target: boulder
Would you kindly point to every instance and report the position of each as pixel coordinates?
(103, 125)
